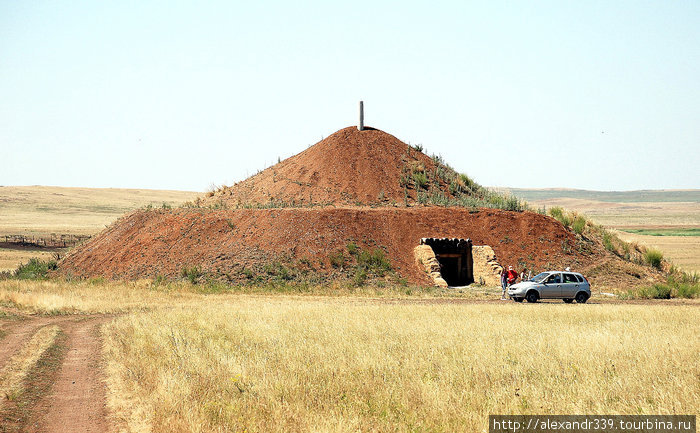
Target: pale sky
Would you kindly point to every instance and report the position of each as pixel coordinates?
(181, 95)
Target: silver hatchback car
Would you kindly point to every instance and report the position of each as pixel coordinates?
(552, 285)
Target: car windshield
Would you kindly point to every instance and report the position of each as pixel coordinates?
(540, 277)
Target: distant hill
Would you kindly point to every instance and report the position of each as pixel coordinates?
(621, 209)
(41, 210)
(640, 196)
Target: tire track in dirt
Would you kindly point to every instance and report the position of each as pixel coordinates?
(17, 332)
(75, 401)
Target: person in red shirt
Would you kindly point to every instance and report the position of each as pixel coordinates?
(512, 276)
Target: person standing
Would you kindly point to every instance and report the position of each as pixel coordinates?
(525, 275)
(504, 283)
(512, 276)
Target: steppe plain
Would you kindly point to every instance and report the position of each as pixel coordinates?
(178, 357)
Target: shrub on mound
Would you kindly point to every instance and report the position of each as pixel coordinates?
(653, 257)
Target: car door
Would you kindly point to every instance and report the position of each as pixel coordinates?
(552, 286)
(569, 286)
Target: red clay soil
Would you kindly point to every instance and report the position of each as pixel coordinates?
(349, 167)
(232, 243)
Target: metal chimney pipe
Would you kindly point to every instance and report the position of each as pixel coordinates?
(362, 117)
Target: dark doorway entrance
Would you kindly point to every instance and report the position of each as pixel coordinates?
(455, 258)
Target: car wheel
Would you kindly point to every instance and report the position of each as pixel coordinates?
(518, 299)
(581, 297)
(568, 300)
(532, 296)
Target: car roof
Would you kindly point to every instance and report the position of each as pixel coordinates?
(568, 272)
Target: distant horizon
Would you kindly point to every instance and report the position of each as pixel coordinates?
(487, 186)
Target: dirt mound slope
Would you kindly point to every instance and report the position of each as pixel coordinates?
(350, 167)
(236, 245)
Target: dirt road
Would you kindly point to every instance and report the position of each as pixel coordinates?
(65, 390)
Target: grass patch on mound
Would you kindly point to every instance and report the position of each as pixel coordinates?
(191, 274)
(579, 224)
(559, 214)
(350, 267)
(420, 180)
(373, 261)
(653, 257)
(443, 186)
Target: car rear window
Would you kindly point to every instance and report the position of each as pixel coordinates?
(570, 278)
(579, 278)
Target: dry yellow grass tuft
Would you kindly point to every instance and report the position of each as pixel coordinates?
(337, 365)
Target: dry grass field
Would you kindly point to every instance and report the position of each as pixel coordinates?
(295, 365)
(631, 215)
(42, 210)
(57, 297)
(46, 210)
(181, 361)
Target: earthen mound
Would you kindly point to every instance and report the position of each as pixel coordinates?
(350, 167)
(368, 183)
(244, 244)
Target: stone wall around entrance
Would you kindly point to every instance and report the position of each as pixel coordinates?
(487, 270)
(425, 257)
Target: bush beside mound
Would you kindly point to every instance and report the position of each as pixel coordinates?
(678, 285)
(35, 269)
